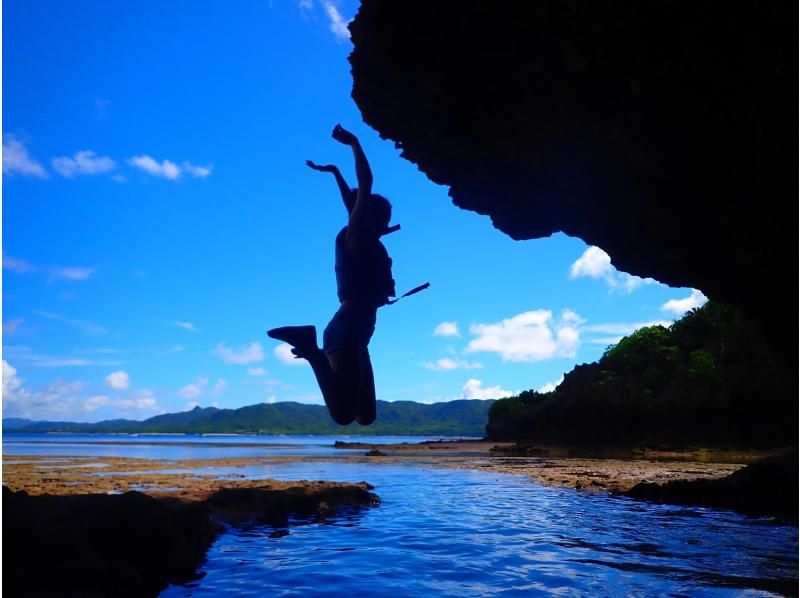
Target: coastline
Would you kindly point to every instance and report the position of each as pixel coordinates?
(613, 471)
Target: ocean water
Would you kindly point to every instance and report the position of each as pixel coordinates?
(445, 532)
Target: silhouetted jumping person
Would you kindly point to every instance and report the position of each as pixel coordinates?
(364, 283)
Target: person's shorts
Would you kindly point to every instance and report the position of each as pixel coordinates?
(352, 325)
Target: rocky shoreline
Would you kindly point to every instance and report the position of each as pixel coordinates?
(135, 544)
(139, 524)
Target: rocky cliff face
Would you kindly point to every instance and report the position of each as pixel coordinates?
(662, 132)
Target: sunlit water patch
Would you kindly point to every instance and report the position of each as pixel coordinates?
(467, 533)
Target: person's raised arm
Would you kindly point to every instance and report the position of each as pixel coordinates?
(348, 194)
(359, 223)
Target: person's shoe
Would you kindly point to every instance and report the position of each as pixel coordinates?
(302, 338)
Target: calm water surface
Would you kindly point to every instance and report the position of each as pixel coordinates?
(441, 532)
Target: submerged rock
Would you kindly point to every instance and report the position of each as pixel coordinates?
(133, 544)
(766, 487)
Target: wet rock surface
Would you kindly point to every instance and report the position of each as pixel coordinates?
(766, 487)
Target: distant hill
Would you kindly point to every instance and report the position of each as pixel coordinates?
(453, 418)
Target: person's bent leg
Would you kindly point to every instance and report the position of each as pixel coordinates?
(365, 401)
(344, 371)
(334, 376)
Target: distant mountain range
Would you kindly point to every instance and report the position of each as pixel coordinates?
(453, 418)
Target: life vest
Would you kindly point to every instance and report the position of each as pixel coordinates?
(365, 274)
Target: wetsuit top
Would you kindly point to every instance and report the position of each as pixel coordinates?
(365, 274)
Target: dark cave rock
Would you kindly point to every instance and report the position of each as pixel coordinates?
(662, 132)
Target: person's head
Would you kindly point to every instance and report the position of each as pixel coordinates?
(381, 211)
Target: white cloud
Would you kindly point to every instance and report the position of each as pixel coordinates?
(16, 159)
(284, 354)
(118, 380)
(199, 172)
(191, 405)
(185, 325)
(529, 336)
(83, 162)
(596, 263)
(61, 400)
(243, 355)
(446, 364)
(166, 169)
(681, 306)
(176, 349)
(195, 389)
(220, 387)
(271, 400)
(338, 23)
(17, 265)
(71, 274)
(474, 389)
(257, 371)
(550, 386)
(446, 329)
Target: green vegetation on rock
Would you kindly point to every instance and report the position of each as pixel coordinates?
(710, 378)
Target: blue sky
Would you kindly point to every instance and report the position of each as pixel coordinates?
(158, 218)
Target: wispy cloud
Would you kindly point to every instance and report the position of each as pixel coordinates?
(168, 169)
(195, 389)
(258, 372)
(198, 172)
(29, 357)
(681, 306)
(245, 354)
(11, 326)
(447, 364)
(446, 329)
(16, 159)
(84, 162)
(338, 24)
(530, 336)
(596, 263)
(83, 325)
(101, 108)
(185, 325)
(71, 274)
(17, 265)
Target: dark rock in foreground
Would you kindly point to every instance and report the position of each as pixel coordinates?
(133, 544)
(766, 487)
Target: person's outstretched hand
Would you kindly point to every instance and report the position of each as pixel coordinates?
(342, 135)
(321, 167)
